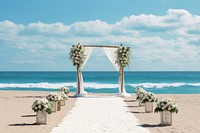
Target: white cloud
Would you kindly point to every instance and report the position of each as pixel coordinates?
(168, 42)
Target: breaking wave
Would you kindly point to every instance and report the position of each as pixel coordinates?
(92, 85)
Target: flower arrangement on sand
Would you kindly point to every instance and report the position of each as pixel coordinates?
(65, 89)
(140, 93)
(149, 97)
(77, 55)
(166, 105)
(139, 89)
(54, 97)
(123, 56)
(42, 105)
(63, 95)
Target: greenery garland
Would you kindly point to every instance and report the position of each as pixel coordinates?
(77, 55)
(123, 56)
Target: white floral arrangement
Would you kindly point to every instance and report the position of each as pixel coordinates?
(140, 93)
(149, 97)
(54, 97)
(123, 56)
(63, 95)
(65, 89)
(166, 105)
(42, 105)
(139, 89)
(77, 55)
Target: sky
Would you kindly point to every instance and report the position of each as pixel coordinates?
(36, 35)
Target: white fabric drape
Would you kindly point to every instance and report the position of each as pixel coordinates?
(110, 52)
(88, 52)
(124, 94)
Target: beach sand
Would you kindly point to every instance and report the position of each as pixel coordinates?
(186, 121)
(16, 115)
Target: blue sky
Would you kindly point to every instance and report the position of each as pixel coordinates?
(37, 34)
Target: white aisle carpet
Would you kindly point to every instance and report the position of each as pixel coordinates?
(99, 115)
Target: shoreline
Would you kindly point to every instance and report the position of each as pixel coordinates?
(17, 116)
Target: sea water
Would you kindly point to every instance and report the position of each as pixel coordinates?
(103, 82)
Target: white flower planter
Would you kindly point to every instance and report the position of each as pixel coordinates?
(63, 102)
(41, 117)
(140, 103)
(149, 107)
(166, 118)
(54, 106)
(58, 105)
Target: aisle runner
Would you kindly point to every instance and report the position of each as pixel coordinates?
(99, 115)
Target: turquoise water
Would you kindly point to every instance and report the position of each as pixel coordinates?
(103, 82)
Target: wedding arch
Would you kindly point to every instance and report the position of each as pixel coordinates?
(119, 56)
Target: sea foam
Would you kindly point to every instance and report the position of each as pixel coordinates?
(92, 85)
(56, 85)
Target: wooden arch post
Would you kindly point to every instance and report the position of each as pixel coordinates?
(78, 82)
(121, 74)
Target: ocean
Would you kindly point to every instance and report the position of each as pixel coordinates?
(103, 82)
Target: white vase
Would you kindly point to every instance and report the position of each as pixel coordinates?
(41, 117)
(140, 103)
(149, 107)
(63, 102)
(54, 106)
(166, 118)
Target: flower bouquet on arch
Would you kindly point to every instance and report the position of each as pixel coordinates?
(77, 55)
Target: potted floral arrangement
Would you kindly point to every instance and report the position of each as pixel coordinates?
(148, 99)
(53, 98)
(140, 93)
(59, 100)
(166, 107)
(64, 97)
(41, 107)
(65, 89)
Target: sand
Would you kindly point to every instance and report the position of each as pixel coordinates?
(186, 121)
(99, 115)
(16, 115)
